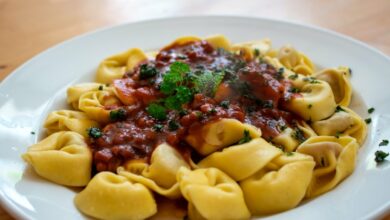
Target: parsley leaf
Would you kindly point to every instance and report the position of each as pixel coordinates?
(298, 135)
(94, 132)
(207, 82)
(173, 77)
(246, 138)
(173, 125)
(371, 110)
(380, 156)
(119, 114)
(157, 111)
(339, 109)
(384, 143)
(147, 71)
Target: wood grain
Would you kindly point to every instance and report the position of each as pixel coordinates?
(29, 27)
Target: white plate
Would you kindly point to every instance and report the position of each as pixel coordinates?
(38, 86)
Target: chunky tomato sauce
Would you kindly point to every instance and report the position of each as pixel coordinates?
(250, 91)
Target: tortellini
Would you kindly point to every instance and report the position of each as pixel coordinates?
(341, 123)
(294, 60)
(160, 175)
(338, 79)
(63, 158)
(315, 101)
(217, 159)
(216, 135)
(95, 103)
(67, 120)
(116, 66)
(74, 92)
(110, 196)
(335, 159)
(279, 186)
(211, 194)
(241, 161)
(287, 140)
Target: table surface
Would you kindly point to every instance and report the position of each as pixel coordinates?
(30, 27)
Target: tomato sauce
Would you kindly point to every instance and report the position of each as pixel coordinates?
(250, 91)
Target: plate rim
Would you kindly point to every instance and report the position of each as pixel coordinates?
(16, 212)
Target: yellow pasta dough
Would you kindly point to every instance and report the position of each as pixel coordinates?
(62, 157)
(338, 79)
(335, 160)
(274, 190)
(241, 161)
(252, 49)
(222, 133)
(218, 41)
(93, 104)
(67, 120)
(74, 92)
(294, 60)
(315, 101)
(160, 175)
(211, 194)
(116, 66)
(110, 196)
(341, 123)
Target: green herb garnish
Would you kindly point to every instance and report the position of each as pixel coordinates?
(279, 74)
(256, 52)
(294, 90)
(337, 135)
(147, 71)
(173, 125)
(298, 135)
(309, 106)
(246, 138)
(157, 111)
(380, 156)
(118, 114)
(384, 142)
(293, 77)
(367, 120)
(289, 154)
(94, 132)
(100, 87)
(225, 104)
(158, 127)
(207, 82)
(32, 132)
(371, 110)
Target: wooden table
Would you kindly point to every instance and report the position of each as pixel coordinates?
(29, 27)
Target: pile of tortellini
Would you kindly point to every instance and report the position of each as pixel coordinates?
(232, 181)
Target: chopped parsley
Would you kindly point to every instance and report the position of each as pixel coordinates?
(367, 120)
(157, 111)
(173, 125)
(246, 138)
(116, 115)
(294, 90)
(282, 127)
(298, 135)
(309, 106)
(225, 104)
(158, 127)
(213, 111)
(289, 154)
(147, 71)
(384, 142)
(32, 132)
(256, 52)
(380, 156)
(337, 135)
(207, 82)
(94, 132)
(279, 74)
(371, 110)
(339, 109)
(311, 80)
(293, 77)
(100, 87)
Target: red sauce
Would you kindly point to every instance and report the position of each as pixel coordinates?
(254, 91)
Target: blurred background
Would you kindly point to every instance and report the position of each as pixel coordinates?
(28, 27)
